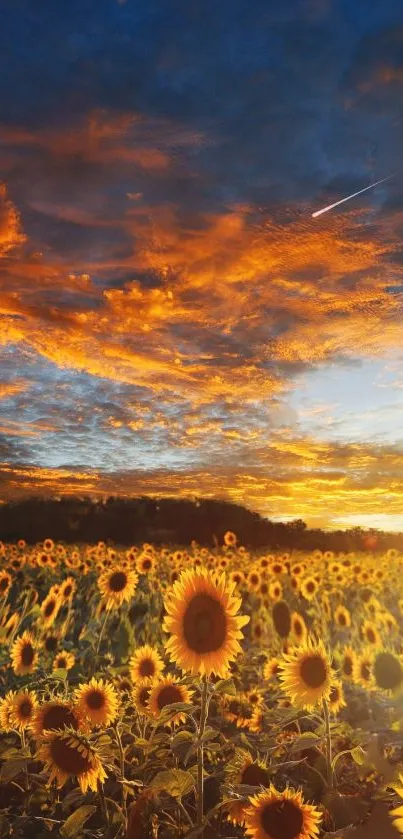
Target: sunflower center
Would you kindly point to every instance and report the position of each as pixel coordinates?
(387, 671)
(282, 820)
(204, 624)
(255, 776)
(117, 581)
(310, 587)
(51, 643)
(67, 591)
(58, 716)
(146, 564)
(95, 700)
(25, 709)
(168, 696)
(147, 668)
(67, 757)
(342, 619)
(50, 607)
(3, 584)
(61, 663)
(27, 654)
(347, 667)
(281, 618)
(313, 671)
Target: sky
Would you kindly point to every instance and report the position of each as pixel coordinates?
(173, 321)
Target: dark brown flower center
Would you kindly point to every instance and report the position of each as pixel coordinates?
(27, 654)
(49, 608)
(95, 700)
(347, 666)
(25, 709)
(61, 663)
(147, 564)
(58, 716)
(255, 776)
(4, 582)
(67, 757)
(51, 643)
(168, 696)
(310, 586)
(282, 820)
(67, 590)
(281, 618)
(204, 624)
(117, 581)
(371, 637)
(147, 668)
(298, 628)
(313, 671)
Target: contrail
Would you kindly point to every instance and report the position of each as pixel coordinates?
(331, 206)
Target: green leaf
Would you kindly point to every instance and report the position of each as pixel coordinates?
(12, 768)
(358, 755)
(77, 820)
(209, 734)
(175, 782)
(225, 686)
(307, 740)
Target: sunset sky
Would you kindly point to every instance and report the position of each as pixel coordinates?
(173, 321)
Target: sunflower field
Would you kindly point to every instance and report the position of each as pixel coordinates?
(155, 693)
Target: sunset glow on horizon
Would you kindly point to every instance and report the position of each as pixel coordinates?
(172, 319)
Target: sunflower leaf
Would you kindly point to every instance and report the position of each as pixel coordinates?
(175, 782)
(226, 686)
(77, 820)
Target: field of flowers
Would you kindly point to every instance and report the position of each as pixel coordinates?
(161, 693)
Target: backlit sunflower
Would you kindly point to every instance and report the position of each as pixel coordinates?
(6, 708)
(5, 583)
(270, 670)
(230, 538)
(281, 815)
(117, 585)
(24, 654)
(362, 670)
(203, 623)
(306, 675)
(56, 714)
(98, 701)
(22, 709)
(243, 769)
(347, 663)
(387, 671)
(336, 697)
(141, 696)
(168, 691)
(67, 754)
(49, 609)
(275, 590)
(370, 634)
(309, 587)
(146, 563)
(67, 590)
(342, 617)
(63, 661)
(299, 630)
(146, 663)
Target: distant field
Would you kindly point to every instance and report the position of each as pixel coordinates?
(160, 693)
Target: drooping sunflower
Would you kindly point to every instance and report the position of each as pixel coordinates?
(336, 699)
(63, 661)
(24, 654)
(281, 815)
(117, 585)
(5, 583)
(66, 754)
(98, 701)
(22, 709)
(203, 623)
(244, 769)
(141, 696)
(56, 714)
(306, 674)
(168, 691)
(146, 663)
(342, 617)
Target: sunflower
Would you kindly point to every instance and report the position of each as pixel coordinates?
(98, 701)
(281, 618)
(230, 539)
(203, 623)
(24, 654)
(298, 628)
(49, 609)
(5, 583)
(306, 674)
(22, 709)
(64, 661)
(67, 754)
(281, 815)
(256, 722)
(271, 668)
(387, 670)
(146, 563)
(370, 634)
(146, 663)
(275, 590)
(362, 671)
(397, 813)
(342, 617)
(67, 589)
(309, 587)
(6, 711)
(347, 664)
(11, 625)
(141, 696)
(243, 769)
(237, 709)
(56, 714)
(51, 642)
(336, 697)
(117, 585)
(168, 691)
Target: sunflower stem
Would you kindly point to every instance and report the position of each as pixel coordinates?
(122, 770)
(200, 750)
(329, 767)
(100, 636)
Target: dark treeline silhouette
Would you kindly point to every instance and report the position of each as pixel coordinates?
(128, 521)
